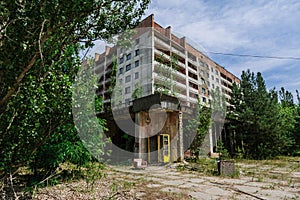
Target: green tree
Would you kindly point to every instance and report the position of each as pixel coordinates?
(288, 116)
(296, 132)
(257, 119)
(241, 96)
(39, 53)
(286, 98)
(197, 129)
(38, 110)
(287, 127)
(138, 91)
(35, 34)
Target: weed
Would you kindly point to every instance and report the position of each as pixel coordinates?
(202, 165)
(93, 173)
(291, 183)
(236, 174)
(272, 186)
(114, 187)
(274, 176)
(233, 197)
(249, 173)
(128, 185)
(259, 179)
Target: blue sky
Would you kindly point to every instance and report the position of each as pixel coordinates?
(266, 28)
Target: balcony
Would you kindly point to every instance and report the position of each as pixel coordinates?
(192, 57)
(192, 65)
(181, 64)
(160, 53)
(193, 71)
(193, 90)
(178, 49)
(226, 84)
(193, 80)
(193, 100)
(162, 41)
(179, 84)
(180, 74)
(181, 96)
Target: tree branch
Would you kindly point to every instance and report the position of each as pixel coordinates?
(40, 45)
(16, 85)
(12, 90)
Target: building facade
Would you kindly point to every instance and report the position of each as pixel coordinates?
(157, 61)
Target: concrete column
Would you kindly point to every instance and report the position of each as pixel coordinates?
(137, 135)
(211, 139)
(142, 134)
(180, 133)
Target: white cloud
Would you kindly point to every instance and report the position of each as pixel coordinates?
(269, 28)
(233, 25)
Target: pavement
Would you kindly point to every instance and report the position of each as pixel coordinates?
(273, 183)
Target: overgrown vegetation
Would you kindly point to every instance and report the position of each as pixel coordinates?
(263, 124)
(197, 128)
(206, 166)
(167, 77)
(39, 51)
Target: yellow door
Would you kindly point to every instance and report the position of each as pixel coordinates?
(164, 146)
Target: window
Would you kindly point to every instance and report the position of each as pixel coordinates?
(121, 60)
(217, 73)
(202, 81)
(203, 99)
(213, 86)
(203, 91)
(201, 63)
(217, 80)
(136, 75)
(212, 69)
(137, 63)
(128, 67)
(147, 88)
(212, 77)
(208, 83)
(127, 101)
(128, 57)
(127, 90)
(207, 75)
(202, 72)
(121, 70)
(137, 52)
(121, 81)
(127, 79)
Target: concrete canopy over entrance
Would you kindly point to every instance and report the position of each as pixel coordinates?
(158, 136)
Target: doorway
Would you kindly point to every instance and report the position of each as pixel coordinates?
(163, 141)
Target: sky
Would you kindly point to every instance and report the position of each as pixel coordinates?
(260, 28)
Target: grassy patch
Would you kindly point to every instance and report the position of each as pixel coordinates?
(203, 165)
(206, 166)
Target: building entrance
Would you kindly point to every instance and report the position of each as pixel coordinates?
(163, 141)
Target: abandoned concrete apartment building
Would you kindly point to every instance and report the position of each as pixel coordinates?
(143, 69)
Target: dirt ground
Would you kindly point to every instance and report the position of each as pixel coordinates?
(274, 179)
